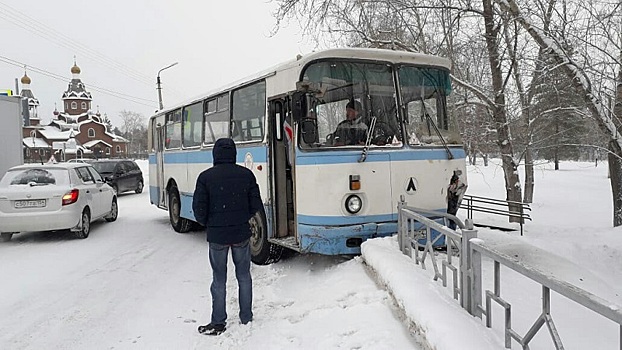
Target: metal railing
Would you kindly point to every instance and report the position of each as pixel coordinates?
(464, 247)
(497, 207)
(416, 223)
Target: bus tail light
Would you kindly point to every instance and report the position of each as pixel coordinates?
(71, 196)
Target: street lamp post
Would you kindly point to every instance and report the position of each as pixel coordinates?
(159, 85)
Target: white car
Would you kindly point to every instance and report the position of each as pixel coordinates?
(49, 197)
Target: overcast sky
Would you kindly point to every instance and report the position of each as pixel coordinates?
(121, 45)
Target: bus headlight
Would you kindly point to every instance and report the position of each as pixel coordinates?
(354, 204)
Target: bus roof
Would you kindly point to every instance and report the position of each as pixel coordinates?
(301, 61)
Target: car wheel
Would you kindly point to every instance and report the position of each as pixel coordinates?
(6, 236)
(114, 211)
(85, 224)
(139, 188)
(262, 251)
(179, 224)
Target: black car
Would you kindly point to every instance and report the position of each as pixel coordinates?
(122, 175)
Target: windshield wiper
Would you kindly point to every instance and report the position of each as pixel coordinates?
(370, 132)
(438, 132)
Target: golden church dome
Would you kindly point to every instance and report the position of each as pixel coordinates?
(25, 79)
(75, 69)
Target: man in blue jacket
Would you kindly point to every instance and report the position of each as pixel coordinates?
(225, 198)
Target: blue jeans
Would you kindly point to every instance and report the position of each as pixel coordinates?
(241, 253)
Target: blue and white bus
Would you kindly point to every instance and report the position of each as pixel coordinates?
(319, 197)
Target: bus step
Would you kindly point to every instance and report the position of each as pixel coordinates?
(287, 242)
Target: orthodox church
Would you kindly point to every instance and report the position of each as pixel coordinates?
(74, 133)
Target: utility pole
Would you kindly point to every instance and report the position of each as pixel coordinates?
(159, 88)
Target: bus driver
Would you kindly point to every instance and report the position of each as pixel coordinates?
(352, 131)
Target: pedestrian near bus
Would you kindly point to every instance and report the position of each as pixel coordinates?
(225, 198)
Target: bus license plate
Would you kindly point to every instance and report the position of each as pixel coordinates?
(30, 204)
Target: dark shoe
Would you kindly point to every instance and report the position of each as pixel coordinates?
(212, 329)
(247, 322)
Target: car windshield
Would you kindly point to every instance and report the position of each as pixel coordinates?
(104, 167)
(35, 177)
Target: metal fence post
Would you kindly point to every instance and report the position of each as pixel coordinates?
(401, 240)
(470, 272)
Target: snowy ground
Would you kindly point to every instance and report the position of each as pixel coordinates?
(136, 284)
(570, 238)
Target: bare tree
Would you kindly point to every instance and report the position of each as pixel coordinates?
(597, 40)
(134, 129)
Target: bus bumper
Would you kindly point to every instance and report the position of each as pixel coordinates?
(337, 240)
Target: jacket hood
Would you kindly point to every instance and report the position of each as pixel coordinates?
(224, 151)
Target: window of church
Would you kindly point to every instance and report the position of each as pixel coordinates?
(107, 151)
(74, 105)
(83, 105)
(91, 132)
(118, 149)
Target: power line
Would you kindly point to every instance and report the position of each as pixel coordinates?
(126, 97)
(38, 28)
(24, 21)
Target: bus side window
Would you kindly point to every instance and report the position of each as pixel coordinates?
(216, 119)
(249, 109)
(192, 126)
(173, 129)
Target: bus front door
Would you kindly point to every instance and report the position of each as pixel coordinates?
(281, 191)
(160, 167)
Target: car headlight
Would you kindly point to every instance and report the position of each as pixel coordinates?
(354, 204)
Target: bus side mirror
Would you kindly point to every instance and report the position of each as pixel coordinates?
(299, 105)
(309, 131)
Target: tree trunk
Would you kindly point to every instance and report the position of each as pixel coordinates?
(556, 149)
(615, 175)
(504, 140)
(615, 163)
(529, 177)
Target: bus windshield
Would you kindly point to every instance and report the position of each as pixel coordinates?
(423, 94)
(354, 100)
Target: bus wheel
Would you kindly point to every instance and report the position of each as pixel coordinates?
(179, 224)
(262, 251)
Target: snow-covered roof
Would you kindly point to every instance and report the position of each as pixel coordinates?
(75, 150)
(76, 90)
(35, 142)
(71, 119)
(52, 133)
(117, 138)
(32, 100)
(94, 142)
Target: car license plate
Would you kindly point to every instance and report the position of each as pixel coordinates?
(30, 204)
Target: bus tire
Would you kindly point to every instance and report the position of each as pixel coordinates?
(178, 223)
(262, 251)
